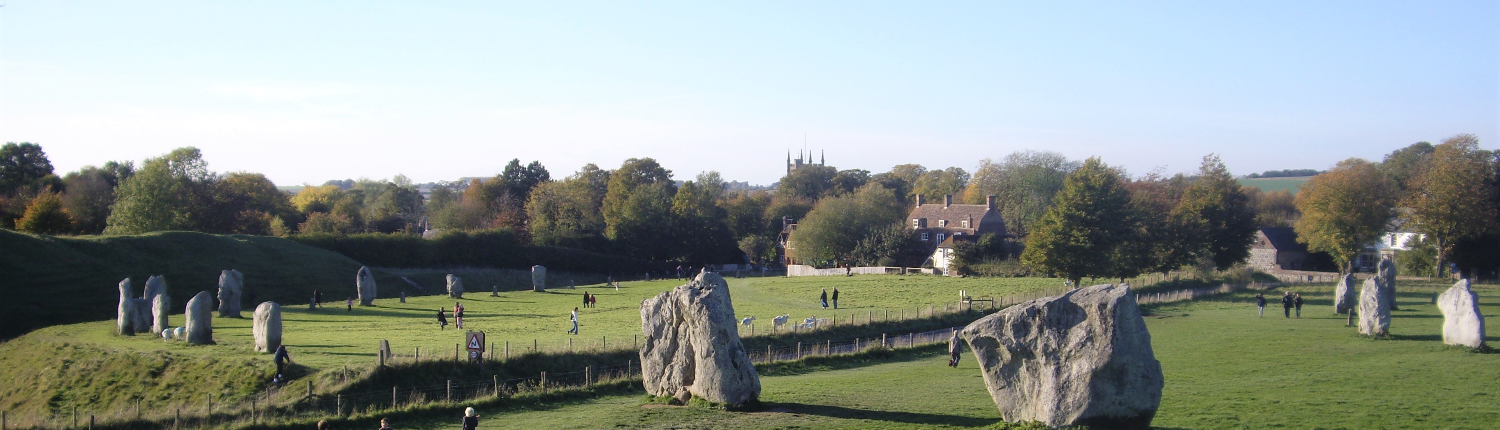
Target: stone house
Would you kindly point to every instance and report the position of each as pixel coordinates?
(934, 224)
(1276, 248)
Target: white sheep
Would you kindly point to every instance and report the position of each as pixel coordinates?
(747, 321)
(780, 320)
(166, 334)
(180, 332)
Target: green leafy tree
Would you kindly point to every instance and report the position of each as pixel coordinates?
(848, 181)
(1164, 239)
(46, 215)
(326, 223)
(1344, 210)
(832, 231)
(1228, 221)
(244, 203)
(1080, 236)
(637, 209)
(938, 183)
(91, 192)
(702, 235)
(1401, 164)
(759, 249)
(809, 182)
(1450, 196)
(1273, 208)
(745, 213)
(1023, 184)
(22, 165)
(171, 192)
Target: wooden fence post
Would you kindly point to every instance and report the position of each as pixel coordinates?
(393, 397)
(450, 390)
(533, 346)
(605, 340)
(252, 410)
(588, 375)
(799, 351)
(455, 353)
(418, 356)
(636, 344)
(138, 408)
(570, 345)
(882, 340)
(338, 406)
(507, 350)
(91, 421)
(544, 381)
(178, 419)
(828, 347)
(309, 388)
(769, 358)
(346, 374)
(497, 385)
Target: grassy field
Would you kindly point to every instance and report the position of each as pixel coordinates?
(92, 367)
(1275, 184)
(1224, 367)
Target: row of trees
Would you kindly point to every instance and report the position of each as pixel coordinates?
(1449, 193)
(1102, 224)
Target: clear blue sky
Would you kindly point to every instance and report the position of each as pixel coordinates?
(438, 90)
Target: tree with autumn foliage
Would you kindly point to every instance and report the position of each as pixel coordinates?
(1345, 209)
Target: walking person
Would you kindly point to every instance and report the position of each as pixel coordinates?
(823, 298)
(318, 298)
(835, 297)
(349, 302)
(954, 348)
(1260, 302)
(442, 319)
(281, 358)
(471, 419)
(1297, 302)
(1286, 304)
(585, 299)
(593, 300)
(574, 318)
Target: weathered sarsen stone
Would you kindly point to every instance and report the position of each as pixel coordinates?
(161, 308)
(200, 319)
(692, 347)
(231, 287)
(364, 281)
(1374, 308)
(1387, 271)
(1462, 322)
(267, 327)
(1083, 358)
(1345, 296)
(155, 285)
(455, 287)
(538, 278)
(125, 314)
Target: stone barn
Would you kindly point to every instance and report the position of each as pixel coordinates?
(1276, 248)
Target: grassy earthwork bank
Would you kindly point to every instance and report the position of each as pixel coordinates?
(1225, 368)
(87, 366)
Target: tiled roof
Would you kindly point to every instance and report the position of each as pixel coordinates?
(985, 220)
(1283, 238)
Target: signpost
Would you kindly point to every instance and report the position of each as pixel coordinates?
(474, 341)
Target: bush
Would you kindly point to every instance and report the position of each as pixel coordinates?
(491, 248)
(45, 215)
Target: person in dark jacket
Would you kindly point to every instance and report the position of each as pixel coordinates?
(835, 298)
(1297, 302)
(954, 348)
(823, 298)
(1260, 302)
(281, 358)
(1286, 304)
(471, 419)
(442, 319)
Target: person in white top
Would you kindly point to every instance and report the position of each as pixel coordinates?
(574, 317)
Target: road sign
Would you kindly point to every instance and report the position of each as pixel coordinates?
(475, 341)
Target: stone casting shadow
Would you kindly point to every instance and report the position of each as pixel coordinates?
(1418, 337)
(865, 414)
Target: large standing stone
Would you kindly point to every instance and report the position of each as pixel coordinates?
(155, 285)
(161, 308)
(1083, 358)
(365, 283)
(1387, 271)
(200, 319)
(231, 285)
(455, 287)
(267, 327)
(692, 347)
(1374, 308)
(125, 314)
(1345, 296)
(538, 278)
(1462, 322)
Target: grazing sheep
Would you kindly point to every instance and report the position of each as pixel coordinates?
(166, 334)
(747, 321)
(179, 333)
(780, 320)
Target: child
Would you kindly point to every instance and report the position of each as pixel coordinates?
(442, 320)
(350, 303)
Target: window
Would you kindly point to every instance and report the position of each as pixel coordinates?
(942, 223)
(966, 223)
(940, 237)
(924, 237)
(916, 223)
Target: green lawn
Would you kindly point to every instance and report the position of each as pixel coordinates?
(84, 364)
(1224, 368)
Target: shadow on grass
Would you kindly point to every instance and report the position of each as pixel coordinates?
(1417, 337)
(872, 357)
(886, 416)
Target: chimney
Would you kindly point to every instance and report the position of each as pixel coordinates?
(989, 202)
(947, 200)
(919, 200)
